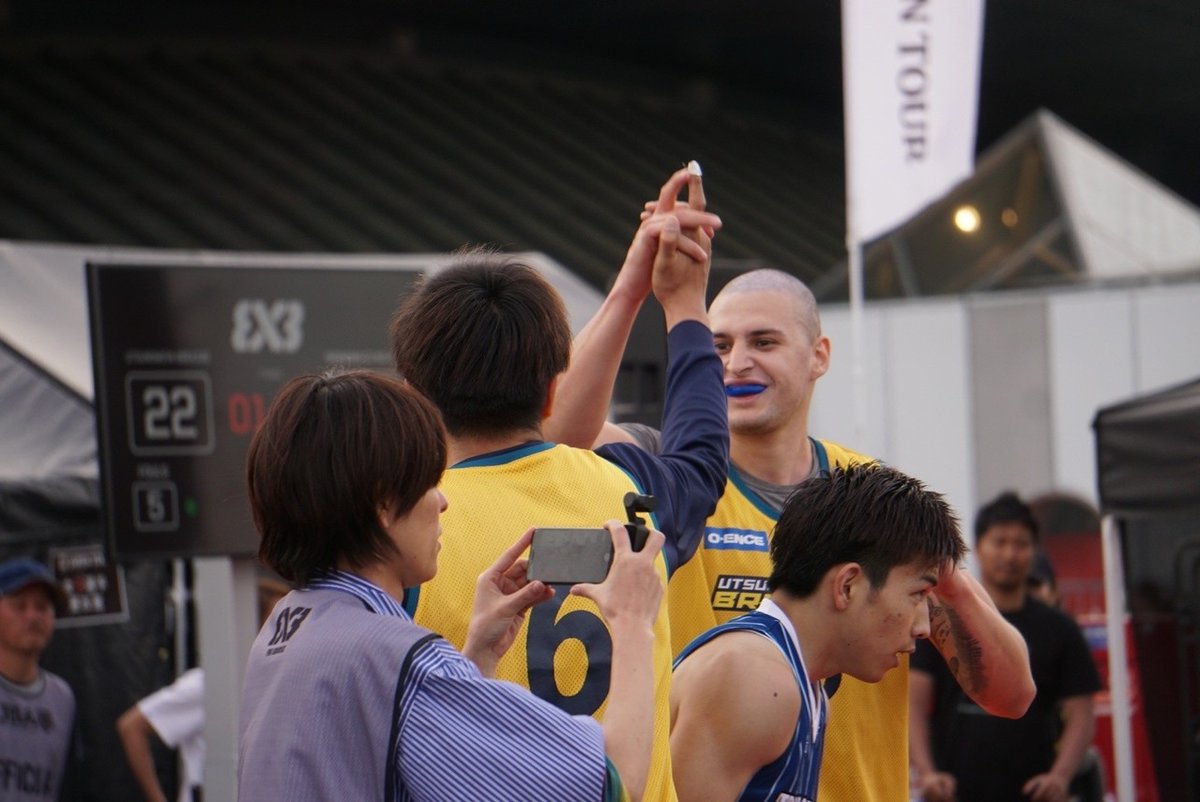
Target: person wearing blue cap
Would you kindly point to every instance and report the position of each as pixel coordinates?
(38, 737)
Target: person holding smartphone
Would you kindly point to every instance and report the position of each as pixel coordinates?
(486, 339)
(344, 696)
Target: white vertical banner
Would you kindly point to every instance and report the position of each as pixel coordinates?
(911, 72)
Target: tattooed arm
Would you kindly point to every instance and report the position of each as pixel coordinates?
(986, 654)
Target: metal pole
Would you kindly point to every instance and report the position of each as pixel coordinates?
(1118, 673)
(858, 371)
(226, 596)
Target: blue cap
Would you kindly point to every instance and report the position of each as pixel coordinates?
(21, 572)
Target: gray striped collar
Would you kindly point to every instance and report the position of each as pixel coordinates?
(370, 594)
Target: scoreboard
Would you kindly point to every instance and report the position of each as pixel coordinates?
(186, 361)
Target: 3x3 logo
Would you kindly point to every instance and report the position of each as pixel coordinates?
(286, 624)
(277, 326)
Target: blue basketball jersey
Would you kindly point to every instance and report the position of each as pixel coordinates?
(792, 777)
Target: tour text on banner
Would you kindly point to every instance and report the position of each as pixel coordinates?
(911, 93)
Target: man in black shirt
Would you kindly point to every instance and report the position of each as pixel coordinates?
(958, 751)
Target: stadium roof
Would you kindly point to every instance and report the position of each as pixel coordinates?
(424, 125)
(294, 148)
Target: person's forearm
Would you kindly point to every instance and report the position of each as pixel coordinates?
(135, 738)
(987, 655)
(920, 695)
(919, 752)
(629, 720)
(584, 391)
(1079, 725)
(684, 306)
(482, 657)
(695, 420)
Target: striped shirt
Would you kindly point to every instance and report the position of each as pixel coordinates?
(461, 736)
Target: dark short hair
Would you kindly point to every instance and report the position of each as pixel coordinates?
(873, 515)
(333, 450)
(1006, 508)
(483, 339)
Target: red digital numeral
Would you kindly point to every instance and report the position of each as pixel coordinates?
(246, 412)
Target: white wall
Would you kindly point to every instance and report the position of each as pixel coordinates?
(1091, 365)
(1067, 353)
(917, 391)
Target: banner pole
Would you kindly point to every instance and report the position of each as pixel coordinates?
(858, 372)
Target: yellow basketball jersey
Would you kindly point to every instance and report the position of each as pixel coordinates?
(563, 653)
(728, 574)
(866, 740)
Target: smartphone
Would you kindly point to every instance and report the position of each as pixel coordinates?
(569, 556)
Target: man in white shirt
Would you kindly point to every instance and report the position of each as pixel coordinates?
(175, 714)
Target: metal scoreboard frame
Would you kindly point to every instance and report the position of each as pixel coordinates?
(186, 360)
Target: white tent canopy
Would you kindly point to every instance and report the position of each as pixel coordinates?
(43, 301)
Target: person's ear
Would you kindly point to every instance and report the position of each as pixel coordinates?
(548, 404)
(821, 351)
(845, 581)
(383, 514)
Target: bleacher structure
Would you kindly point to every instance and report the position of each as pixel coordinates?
(293, 148)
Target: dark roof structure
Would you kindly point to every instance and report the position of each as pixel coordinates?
(368, 125)
(293, 148)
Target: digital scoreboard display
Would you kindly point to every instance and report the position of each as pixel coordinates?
(186, 362)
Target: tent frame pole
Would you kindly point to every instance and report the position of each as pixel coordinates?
(1118, 663)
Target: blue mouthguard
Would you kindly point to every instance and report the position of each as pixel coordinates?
(739, 390)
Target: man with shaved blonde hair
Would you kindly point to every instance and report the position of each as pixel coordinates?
(767, 331)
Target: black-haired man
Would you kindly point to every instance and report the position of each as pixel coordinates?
(950, 735)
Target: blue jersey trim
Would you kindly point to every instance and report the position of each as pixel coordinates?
(412, 596)
(755, 499)
(504, 455)
(614, 790)
(822, 456)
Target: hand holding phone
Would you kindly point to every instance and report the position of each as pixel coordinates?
(561, 556)
(632, 591)
(570, 556)
(503, 595)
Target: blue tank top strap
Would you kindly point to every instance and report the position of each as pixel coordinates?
(822, 456)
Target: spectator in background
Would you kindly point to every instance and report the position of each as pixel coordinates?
(961, 753)
(1043, 585)
(175, 715)
(1088, 783)
(39, 741)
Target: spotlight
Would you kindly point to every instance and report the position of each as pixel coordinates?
(966, 218)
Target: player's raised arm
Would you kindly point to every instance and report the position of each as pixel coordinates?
(985, 653)
(678, 237)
